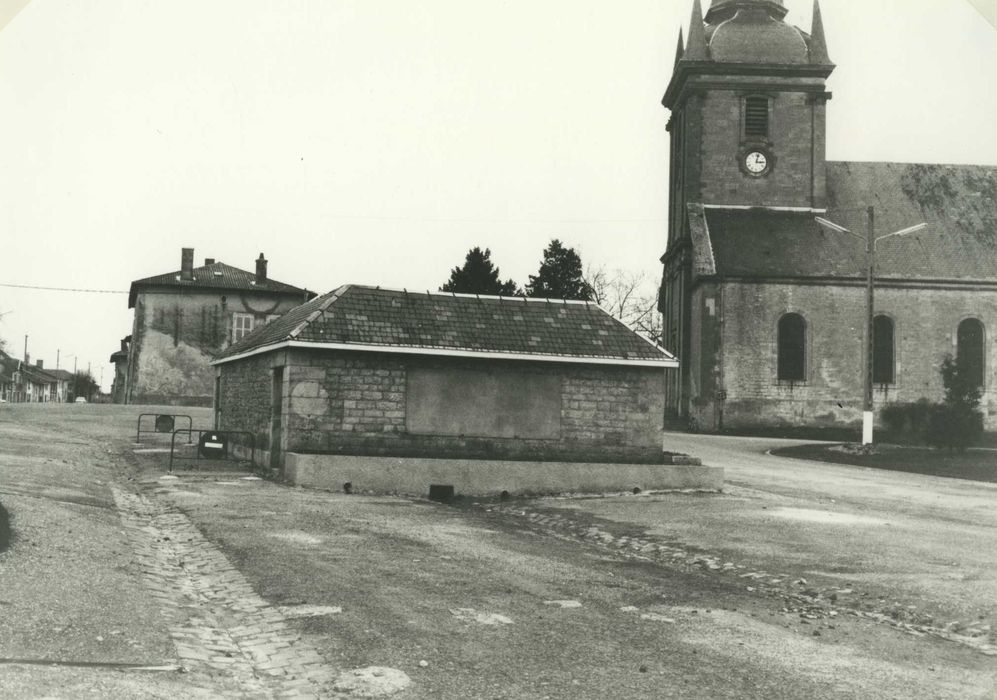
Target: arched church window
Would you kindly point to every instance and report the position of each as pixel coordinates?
(970, 349)
(792, 348)
(756, 116)
(883, 351)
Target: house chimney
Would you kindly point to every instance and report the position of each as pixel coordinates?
(261, 269)
(40, 364)
(186, 263)
(209, 261)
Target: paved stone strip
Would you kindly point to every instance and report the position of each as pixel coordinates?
(218, 623)
(809, 602)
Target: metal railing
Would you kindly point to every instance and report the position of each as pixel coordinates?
(164, 423)
(213, 445)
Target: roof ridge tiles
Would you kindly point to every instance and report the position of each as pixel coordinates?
(468, 295)
(333, 296)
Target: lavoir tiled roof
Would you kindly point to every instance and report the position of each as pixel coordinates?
(215, 276)
(958, 204)
(373, 319)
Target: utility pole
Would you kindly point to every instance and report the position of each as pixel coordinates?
(870, 254)
(57, 352)
(25, 349)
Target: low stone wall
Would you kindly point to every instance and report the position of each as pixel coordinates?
(377, 404)
(492, 477)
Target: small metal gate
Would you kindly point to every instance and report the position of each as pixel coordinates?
(213, 445)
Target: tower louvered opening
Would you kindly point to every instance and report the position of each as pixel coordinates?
(756, 117)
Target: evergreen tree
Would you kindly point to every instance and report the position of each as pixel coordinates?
(479, 276)
(560, 275)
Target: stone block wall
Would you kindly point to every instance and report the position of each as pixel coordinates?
(832, 395)
(245, 395)
(355, 403)
(795, 143)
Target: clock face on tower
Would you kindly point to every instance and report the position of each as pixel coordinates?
(756, 163)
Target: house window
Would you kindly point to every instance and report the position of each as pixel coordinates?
(242, 324)
(756, 117)
(969, 349)
(883, 351)
(792, 348)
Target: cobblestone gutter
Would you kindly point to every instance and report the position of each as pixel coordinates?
(220, 627)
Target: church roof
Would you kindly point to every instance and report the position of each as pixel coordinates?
(725, 9)
(372, 319)
(958, 202)
(754, 35)
(752, 31)
(747, 37)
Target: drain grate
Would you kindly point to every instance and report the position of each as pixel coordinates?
(444, 493)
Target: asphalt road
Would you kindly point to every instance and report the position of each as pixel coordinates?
(800, 580)
(932, 540)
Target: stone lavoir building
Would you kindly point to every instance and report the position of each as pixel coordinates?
(450, 383)
(183, 319)
(764, 307)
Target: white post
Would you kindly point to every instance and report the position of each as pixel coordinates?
(866, 427)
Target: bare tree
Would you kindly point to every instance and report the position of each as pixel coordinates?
(630, 296)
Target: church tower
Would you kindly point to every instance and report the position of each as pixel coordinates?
(747, 100)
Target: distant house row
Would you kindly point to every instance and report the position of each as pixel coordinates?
(22, 382)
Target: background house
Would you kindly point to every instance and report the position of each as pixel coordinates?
(183, 319)
(22, 382)
(9, 381)
(389, 373)
(119, 359)
(56, 383)
(766, 309)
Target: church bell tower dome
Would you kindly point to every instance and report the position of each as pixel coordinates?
(721, 10)
(753, 31)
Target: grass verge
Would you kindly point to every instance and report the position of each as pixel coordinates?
(974, 465)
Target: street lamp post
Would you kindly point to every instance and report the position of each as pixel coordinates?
(870, 258)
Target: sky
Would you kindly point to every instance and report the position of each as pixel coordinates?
(376, 141)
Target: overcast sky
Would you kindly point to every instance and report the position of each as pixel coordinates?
(375, 141)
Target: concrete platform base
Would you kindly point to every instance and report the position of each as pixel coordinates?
(413, 475)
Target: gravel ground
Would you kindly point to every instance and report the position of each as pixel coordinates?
(69, 592)
(582, 598)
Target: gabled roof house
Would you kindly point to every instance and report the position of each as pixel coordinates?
(183, 319)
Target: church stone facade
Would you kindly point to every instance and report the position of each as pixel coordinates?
(764, 307)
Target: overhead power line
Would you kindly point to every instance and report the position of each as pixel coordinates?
(63, 289)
